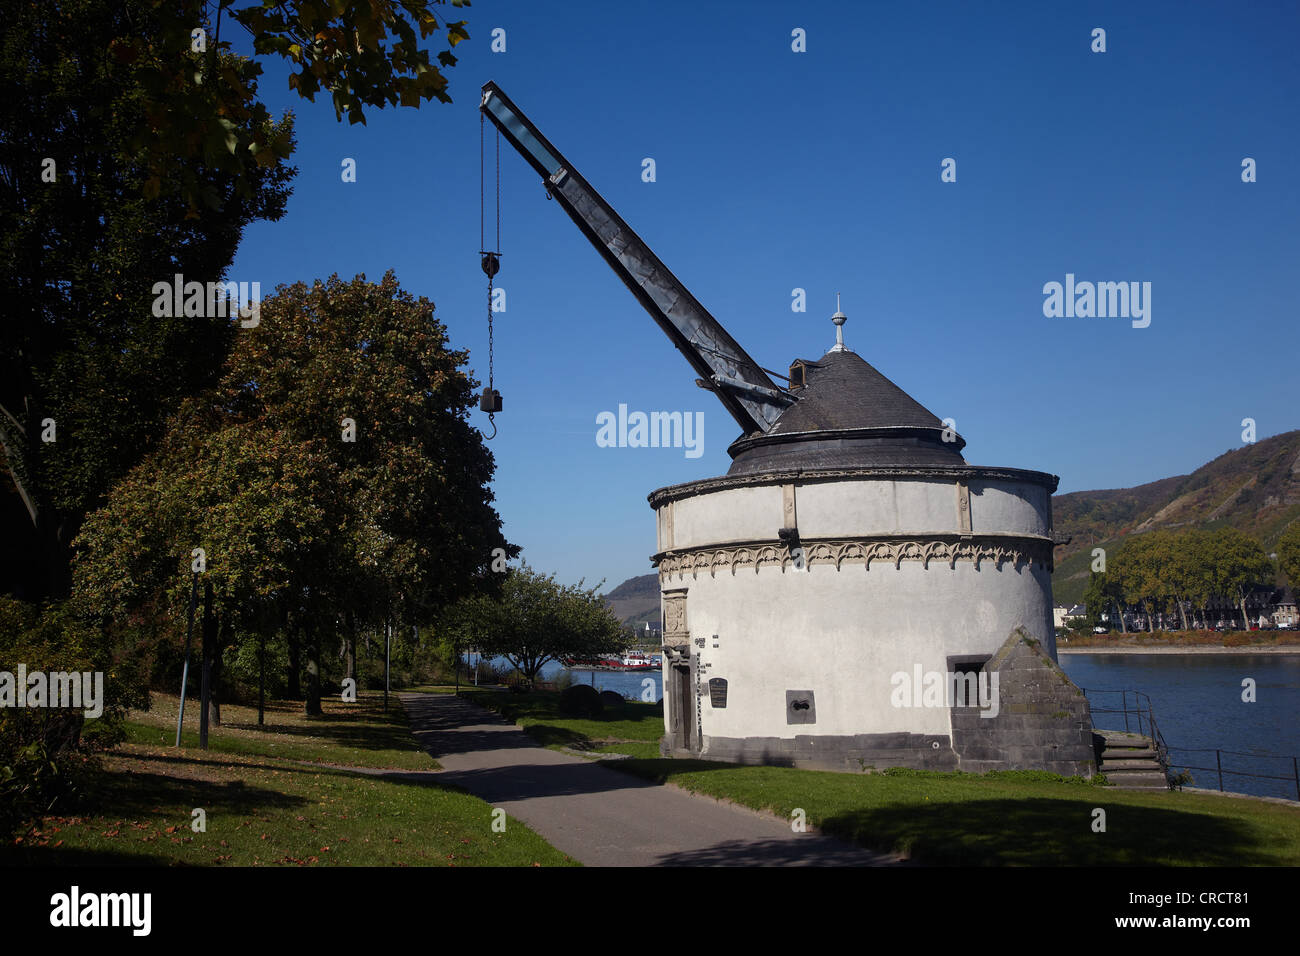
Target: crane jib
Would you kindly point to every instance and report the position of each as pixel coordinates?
(739, 382)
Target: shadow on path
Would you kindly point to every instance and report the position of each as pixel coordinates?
(600, 816)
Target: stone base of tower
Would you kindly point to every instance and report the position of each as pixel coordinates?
(1039, 721)
(1043, 720)
(856, 753)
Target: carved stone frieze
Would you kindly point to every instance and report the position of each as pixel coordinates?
(1013, 550)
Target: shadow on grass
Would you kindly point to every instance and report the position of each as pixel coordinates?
(1033, 831)
(290, 765)
(76, 856)
(141, 796)
(545, 705)
(808, 850)
(547, 735)
(1048, 832)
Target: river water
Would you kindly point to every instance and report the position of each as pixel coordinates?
(1197, 701)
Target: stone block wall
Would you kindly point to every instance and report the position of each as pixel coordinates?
(1043, 720)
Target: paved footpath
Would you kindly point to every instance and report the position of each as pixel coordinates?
(602, 817)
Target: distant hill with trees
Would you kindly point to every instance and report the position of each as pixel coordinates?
(1254, 489)
(636, 601)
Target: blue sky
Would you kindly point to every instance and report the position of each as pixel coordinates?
(820, 170)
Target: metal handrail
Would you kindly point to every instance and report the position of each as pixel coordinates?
(1163, 750)
(1140, 712)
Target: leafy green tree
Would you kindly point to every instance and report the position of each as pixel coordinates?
(1288, 554)
(1239, 563)
(1095, 599)
(1193, 569)
(535, 620)
(134, 147)
(88, 373)
(1141, 563)
(331, 478)
(199, 101)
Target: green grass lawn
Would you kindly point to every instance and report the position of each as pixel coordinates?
(271, 799)
(1015, 818)
(634, 728)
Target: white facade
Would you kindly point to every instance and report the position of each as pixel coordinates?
(880, 571)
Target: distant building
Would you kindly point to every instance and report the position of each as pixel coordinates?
(1062, 615)
(1283, 608)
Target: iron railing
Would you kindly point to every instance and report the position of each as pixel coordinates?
(1218, 768)
(1135, 708)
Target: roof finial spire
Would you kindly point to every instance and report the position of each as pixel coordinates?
(839, 318)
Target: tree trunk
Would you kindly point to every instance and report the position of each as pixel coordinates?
(209, 641)
(313, 708)
(1182, 613)
(350, 648)
(218, 666)
(1123, 624)
(261, 680)
(1244, 620)
(295, 660)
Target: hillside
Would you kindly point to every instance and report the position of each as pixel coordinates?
(636, 600)
(1255, 488)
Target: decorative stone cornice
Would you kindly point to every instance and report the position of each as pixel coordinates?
(1015, 549)
(881, 473)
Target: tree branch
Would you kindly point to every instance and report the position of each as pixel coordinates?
(10, 459)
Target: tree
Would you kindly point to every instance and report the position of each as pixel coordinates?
(534, 620)
(1193, 568)
(200, 102)
(1095, 599)
(1288, 554)
(133, 147)
(1239, 562)
(331, 476)
(1141, 564)
(88, 372)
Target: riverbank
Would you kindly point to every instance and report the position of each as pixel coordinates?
(1179, 649)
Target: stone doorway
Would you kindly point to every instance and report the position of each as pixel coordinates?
(683, 709)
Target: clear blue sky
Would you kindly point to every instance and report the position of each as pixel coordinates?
(821, 170)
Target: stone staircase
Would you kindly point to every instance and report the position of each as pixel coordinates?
(1129, 761)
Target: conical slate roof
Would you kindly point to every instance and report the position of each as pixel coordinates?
(844, 391)
(848, 415)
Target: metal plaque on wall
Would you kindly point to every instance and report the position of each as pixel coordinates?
(718, 692)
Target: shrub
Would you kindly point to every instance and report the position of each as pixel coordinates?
(42, 749)
(581, 700)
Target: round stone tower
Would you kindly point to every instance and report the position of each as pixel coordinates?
(848, 556)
